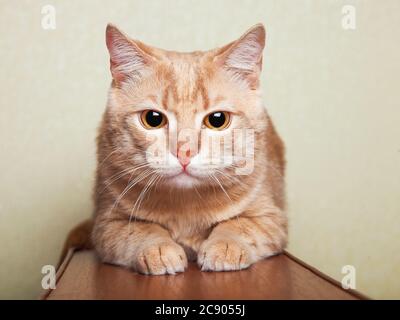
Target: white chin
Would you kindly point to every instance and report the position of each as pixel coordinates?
(184, 180)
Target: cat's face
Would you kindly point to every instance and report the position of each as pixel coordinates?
(186, 119)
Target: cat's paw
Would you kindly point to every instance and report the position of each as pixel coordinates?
(224, 255)
(161, 258)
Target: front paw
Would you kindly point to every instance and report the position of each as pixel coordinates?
(224, 255)
(161, 258)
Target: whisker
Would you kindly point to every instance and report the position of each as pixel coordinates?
(198, 193)
(222, 188)
(139, 199)
(121, 174)
(230, 178)
(106, 158)
(129, 186)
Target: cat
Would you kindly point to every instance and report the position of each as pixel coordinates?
(155, 213)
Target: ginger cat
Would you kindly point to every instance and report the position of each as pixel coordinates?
(157, 204)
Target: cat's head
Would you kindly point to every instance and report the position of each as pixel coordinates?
(188, 119)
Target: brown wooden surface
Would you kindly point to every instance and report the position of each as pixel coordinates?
(83, 276)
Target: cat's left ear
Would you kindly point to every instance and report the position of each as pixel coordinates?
(128, 58)
(243, 57)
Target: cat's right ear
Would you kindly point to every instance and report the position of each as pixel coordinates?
(127, 59)
(243, 57)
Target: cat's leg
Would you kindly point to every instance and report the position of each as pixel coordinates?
(237, 243)
(143, 246)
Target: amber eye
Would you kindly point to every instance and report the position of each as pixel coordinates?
(217, 120)
(152, 119)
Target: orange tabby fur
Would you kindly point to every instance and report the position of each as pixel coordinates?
(223, 228)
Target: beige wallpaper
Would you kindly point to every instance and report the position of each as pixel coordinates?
(333, 93)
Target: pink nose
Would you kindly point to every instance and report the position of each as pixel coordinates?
(184, 158)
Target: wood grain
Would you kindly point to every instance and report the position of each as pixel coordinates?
(83, 276)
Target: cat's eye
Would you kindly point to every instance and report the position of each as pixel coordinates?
(217, 120)
(152, 119)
